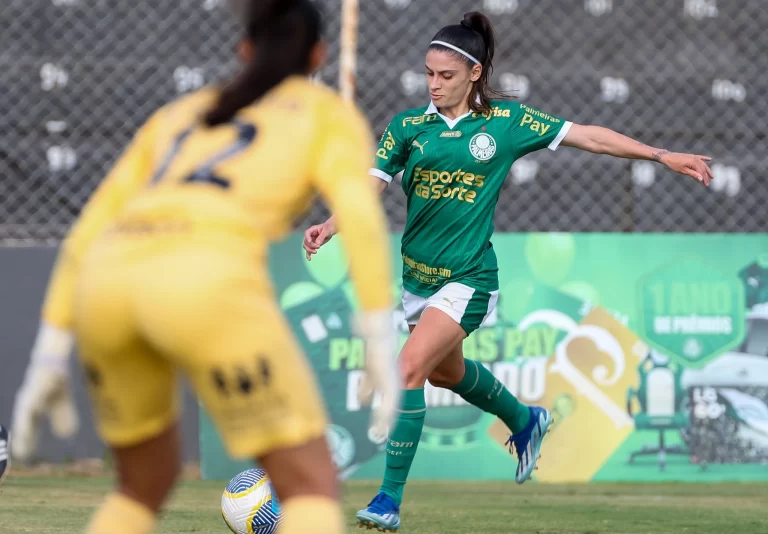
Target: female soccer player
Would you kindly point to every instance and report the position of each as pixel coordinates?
(169, 257)
(455, 154)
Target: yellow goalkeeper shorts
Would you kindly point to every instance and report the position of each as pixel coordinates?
(149, 307)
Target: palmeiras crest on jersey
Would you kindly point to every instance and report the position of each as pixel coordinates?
(482, 146)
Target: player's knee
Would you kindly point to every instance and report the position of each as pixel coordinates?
(413, 373)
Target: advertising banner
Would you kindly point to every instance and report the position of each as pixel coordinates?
(651, 351)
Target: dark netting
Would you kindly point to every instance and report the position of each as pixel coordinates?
(79, 76)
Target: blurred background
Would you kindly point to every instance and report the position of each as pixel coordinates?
(78, 77)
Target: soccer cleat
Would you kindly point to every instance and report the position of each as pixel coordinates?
(5, 456)
(528, 443)
(382, 513)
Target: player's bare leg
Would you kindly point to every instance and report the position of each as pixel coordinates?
(146, 473)
(476, 385)
(431, 340)
(305, 481)
(450, 371)
(434, 352)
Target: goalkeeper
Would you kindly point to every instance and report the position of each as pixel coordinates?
(166, 271)
(455, 154)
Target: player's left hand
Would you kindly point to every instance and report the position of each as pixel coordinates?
(690, 165)
(45, 391)
(316, 236)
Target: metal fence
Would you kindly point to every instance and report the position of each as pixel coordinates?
(77, 77)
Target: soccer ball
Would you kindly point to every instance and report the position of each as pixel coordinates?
(248, 504)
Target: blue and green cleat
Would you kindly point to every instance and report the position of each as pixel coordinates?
(382, 513)
(528, 443)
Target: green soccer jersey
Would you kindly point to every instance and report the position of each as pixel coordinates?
(453, 170)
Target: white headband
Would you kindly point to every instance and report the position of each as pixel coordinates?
(457, 49)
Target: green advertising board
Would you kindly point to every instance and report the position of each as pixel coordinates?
(692, 310)
(650, 350)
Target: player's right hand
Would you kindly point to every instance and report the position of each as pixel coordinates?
(46, 391)
(316, 236)
(381, 373)
(697, 167)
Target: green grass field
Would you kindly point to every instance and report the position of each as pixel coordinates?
(63, 504)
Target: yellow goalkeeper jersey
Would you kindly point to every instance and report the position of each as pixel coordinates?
(251, 177)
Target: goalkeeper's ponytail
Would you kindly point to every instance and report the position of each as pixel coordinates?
(283, 34)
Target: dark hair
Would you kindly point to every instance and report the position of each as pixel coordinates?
(283, 33)
(475, 36)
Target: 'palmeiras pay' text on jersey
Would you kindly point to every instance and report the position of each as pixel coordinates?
(453, 170)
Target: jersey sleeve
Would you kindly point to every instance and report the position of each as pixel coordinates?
(391, 153)
(131, 171)
(534, 129)
(342, 158)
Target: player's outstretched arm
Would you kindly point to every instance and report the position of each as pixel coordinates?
(342, 158)
(362, 225)
(318, 235)
(599, 140)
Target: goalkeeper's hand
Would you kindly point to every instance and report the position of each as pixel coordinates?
(381, 373)
(46, 391)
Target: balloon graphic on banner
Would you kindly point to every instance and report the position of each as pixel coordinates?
(550, 256)
(299, 293)
(581, 290)
(514, 299)
(329, 266)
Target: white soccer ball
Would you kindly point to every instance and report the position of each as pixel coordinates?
(248, 504)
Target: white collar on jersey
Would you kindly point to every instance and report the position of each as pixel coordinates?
(432, 110)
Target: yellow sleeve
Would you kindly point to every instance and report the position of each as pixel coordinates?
(344, 150)
(131, 171)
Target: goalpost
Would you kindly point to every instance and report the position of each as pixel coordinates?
(350, 16)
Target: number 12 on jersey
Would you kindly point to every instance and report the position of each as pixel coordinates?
(205, 173)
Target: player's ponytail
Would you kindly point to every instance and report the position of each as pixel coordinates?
(475, 38)
(283, 33)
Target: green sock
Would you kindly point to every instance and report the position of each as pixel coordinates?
(402, 443)
(481, 388)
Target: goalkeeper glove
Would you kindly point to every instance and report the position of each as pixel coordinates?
(46, 390)
(381, 374)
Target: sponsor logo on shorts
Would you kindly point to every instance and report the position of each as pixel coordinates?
(242, 379)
